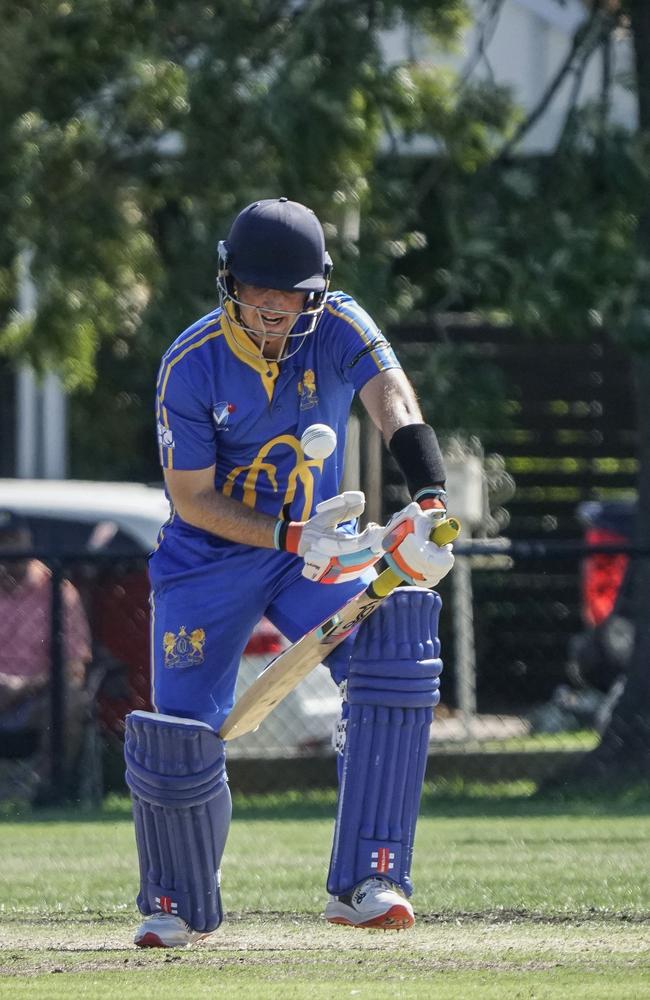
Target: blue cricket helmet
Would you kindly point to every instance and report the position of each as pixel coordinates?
(279, 244)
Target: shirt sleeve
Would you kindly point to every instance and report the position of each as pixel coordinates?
(363, 350)
(185, 427)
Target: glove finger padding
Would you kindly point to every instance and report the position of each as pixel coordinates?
(338, 557)
(299, 537)
(328, 514)
(422, 564)
(341, 543)
(342, 507)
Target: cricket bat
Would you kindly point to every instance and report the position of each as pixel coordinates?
(286, 671)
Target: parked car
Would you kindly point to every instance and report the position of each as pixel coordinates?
(70, 518)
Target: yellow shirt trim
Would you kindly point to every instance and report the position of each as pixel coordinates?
(261, 466)
(162, 409)
(182, 343)
(241, 346)
(355, 326)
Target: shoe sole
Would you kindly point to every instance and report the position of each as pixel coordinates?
(397, 918)
(150, 940)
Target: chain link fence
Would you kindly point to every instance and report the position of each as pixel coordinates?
(536, 638)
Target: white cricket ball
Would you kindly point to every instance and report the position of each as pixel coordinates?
(318, 441)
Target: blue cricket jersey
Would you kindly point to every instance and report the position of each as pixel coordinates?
(219, 405)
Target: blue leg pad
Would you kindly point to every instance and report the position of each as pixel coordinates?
(393, 687)
(176, 771)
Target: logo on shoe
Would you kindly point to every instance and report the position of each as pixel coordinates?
(167, 905)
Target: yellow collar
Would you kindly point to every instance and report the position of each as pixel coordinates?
(242, 347)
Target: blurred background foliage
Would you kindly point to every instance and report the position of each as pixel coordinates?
(132, 132)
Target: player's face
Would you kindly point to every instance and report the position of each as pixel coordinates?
(268, 315)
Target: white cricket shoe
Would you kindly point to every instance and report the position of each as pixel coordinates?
(163, 930)
(376, 902)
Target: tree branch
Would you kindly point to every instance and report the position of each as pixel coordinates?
(486, 31)
(581, 49)
(578, 73)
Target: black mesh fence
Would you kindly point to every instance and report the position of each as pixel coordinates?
(529, 679)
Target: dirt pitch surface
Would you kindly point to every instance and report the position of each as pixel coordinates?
(287, 955)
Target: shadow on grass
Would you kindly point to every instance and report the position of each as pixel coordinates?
(447, 799)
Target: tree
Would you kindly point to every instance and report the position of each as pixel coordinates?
(132, 132)
(562, 243)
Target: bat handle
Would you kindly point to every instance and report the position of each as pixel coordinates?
(443, 533)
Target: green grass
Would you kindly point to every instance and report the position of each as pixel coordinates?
(578, 739)
(516, 896)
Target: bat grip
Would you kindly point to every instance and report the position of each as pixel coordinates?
(443, 533)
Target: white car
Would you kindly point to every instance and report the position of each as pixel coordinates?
(71, 517)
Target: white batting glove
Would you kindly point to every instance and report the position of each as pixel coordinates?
(409, 551)
(331, 555)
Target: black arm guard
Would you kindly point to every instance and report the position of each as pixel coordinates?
(416, 450)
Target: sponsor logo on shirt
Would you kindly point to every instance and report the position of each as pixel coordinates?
(184, 649)
(307, 390)
(165, 436)
(220, 414)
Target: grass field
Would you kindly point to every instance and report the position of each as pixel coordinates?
(515, 897)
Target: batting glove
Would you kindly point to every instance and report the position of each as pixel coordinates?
(409, 551)
(331, 555)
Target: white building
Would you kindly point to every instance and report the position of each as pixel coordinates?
(525, 44)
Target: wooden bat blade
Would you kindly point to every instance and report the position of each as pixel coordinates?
(286, 671)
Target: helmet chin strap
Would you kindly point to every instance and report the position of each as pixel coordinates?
(232, 309)
(272, 338)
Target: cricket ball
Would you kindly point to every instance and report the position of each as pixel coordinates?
(318, 441)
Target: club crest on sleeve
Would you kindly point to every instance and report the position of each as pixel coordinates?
(184, 649)
(307, 390)
(165, 436)
(221, 414)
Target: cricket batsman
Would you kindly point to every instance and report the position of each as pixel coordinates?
(259, 528)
